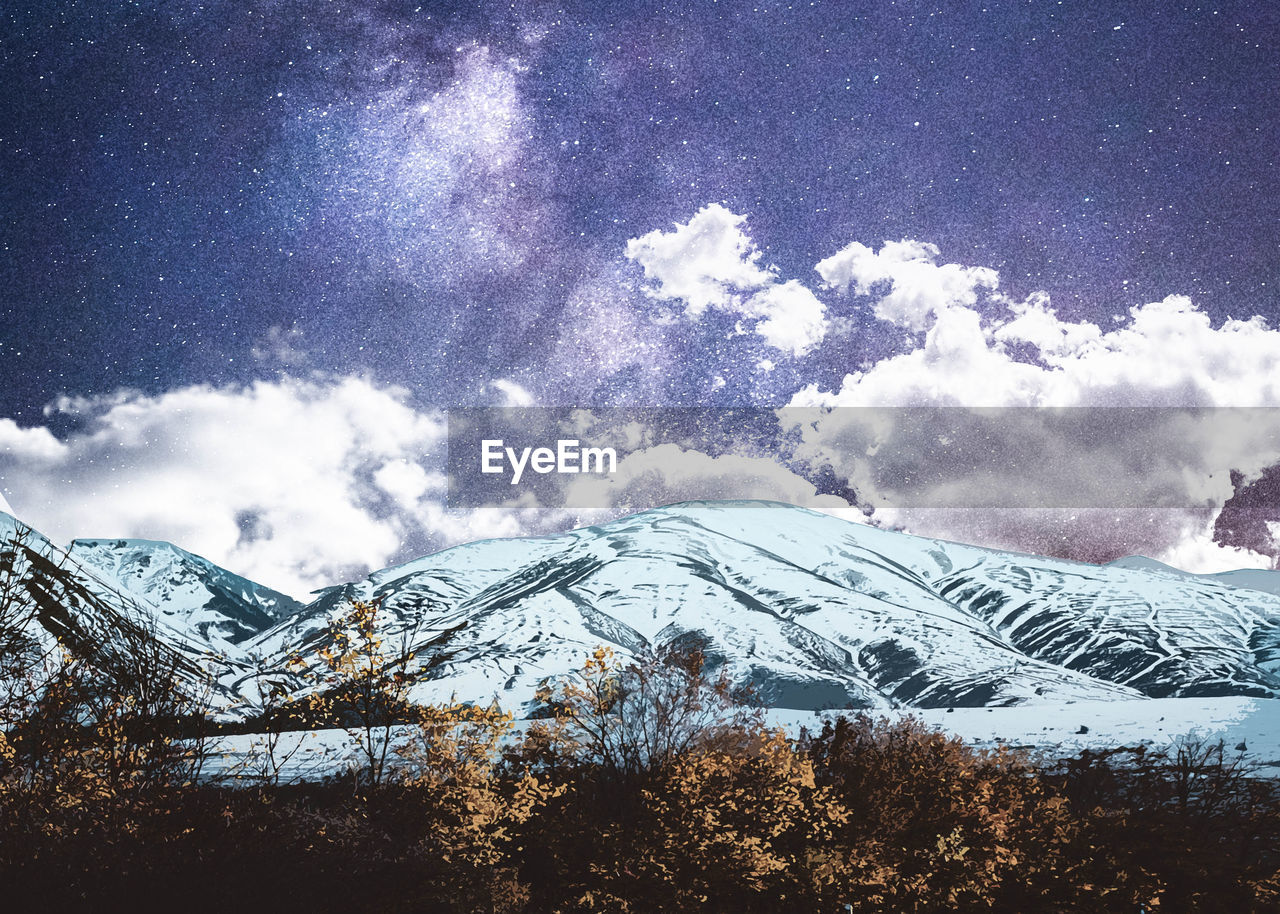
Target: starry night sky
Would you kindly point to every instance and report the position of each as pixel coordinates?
(181, 179)
(442, 196)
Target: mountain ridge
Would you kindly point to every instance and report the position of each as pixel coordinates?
(223, 607)
(810, 610)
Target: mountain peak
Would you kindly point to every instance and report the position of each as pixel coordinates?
(221, 606)
(811, 610)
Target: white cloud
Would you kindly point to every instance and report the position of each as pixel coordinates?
(513, 394)
(708, 261)
(918, 287)
(297, 484)
(791, 318)
(1165, 353)
(1197, 552)
(711, 262)
(36, 444)
(407, 482)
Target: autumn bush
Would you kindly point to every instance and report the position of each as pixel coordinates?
(934, 824)
(643, 785)
(1189, 827)
(673, 795)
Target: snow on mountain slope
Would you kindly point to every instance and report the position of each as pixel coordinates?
(809, 610)
(813, 612)
(47, 596)
(1263, 579)
(425, 590)
(191, 593)
(1160, 635)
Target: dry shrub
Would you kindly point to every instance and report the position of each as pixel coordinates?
(934, 824)
(647, 788)
(474, 816)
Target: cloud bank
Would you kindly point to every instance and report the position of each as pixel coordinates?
(302, 483)
(1166, 353)
(294, 483)
(976, 347)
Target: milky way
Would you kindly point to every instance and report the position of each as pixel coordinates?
(697, 204)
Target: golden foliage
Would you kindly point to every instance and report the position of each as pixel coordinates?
(367, 683)
(452, 762)
(647, 788)
(730, 818)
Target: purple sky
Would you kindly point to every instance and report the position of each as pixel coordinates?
(218, 214)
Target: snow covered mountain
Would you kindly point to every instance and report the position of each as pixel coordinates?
(1266, 580)
(813, 611)
(47, 596)
(191, 593)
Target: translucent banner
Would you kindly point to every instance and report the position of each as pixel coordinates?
(934, 457)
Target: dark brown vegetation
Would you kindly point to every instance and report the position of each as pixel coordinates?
(647, 787)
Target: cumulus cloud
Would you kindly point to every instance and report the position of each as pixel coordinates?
(407, 482)
(35, 444)
(297, 484)
(1166, 353)
(915, 286)
(710, 262)
(790, 317)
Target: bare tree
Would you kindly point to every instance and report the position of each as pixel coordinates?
(270, 751)
(632, 721)
(21, 650)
